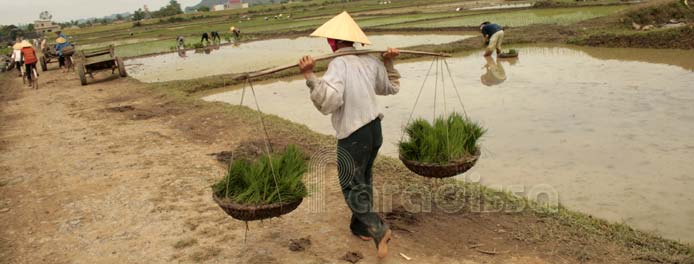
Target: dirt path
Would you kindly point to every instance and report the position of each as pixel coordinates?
(114, 173)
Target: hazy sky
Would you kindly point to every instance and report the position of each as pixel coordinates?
(26, 11)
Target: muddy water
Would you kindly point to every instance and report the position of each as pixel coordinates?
(612, 136)
(256, 55)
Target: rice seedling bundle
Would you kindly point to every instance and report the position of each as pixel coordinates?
(253, 183)
(448, 140)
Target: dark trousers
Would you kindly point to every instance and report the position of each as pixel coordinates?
(29, 68)
(356, 155)
(18, 65)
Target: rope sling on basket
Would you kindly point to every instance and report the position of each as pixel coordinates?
(447, 146)
(282, 205)
(251, 212)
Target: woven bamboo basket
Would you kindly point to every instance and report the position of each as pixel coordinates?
(441, 170)
(255, 212)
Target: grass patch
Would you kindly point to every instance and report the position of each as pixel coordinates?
(6, 51)
(185, 243)
(254, 183)
(660, 14)
(678, 38)
(448, 139)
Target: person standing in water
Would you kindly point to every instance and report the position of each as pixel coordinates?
(493, 37)
(348, 92)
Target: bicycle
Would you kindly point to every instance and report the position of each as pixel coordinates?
(34, 81)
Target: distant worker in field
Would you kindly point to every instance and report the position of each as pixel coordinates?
(216, 37)
(493, 37)
(236, 32)
(205, 37)
(180, 42)
(348, 92)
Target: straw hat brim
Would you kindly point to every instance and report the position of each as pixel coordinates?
(342, 27)
(60, 40)
(24, 44)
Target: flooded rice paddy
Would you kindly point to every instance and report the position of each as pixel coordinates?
(610, 130)
(256, 55)
(562, 16)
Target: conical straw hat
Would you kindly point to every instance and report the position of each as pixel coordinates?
(24, 44)
(17, 46)
(342, 27)
(60, 40)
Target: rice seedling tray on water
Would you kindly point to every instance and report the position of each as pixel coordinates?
(269, 186)
(446, 148)
(510, 54)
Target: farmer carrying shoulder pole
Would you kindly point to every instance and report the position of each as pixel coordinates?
(348, 91)
(493, 37)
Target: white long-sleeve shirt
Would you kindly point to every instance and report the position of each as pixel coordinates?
(348, 90)
(17, 55)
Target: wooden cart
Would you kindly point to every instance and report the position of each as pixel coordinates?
(49, 55)
(90, 61)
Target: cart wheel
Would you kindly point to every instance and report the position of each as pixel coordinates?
(121, 67)
(80, 72)
(43, 63)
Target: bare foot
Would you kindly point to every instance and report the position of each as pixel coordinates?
(383, 245)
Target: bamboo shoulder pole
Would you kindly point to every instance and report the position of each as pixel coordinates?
(331, 56)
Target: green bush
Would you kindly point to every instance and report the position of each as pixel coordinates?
(448, 139)
(253, 183)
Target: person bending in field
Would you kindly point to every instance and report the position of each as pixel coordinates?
(493, 37)
(348, 92)
(180, 42)
(205, 37)
(216, 37)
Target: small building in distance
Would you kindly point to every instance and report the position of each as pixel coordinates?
(235, 4)
(218, 7)
(45, 26)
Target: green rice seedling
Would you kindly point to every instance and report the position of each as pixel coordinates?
(449, 139)
(253, 183)
(512, 51)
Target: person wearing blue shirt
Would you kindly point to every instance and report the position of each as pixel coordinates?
(64, 50)
(493, 36)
